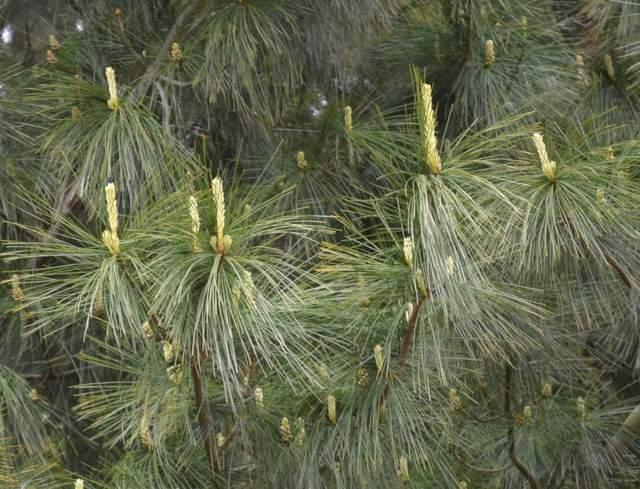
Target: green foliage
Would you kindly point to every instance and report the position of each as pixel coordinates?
(327, 245)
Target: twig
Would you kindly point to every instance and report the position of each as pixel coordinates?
(203, 417)
(166, 109)
(405, 352)
(518, 464)
(153, 69)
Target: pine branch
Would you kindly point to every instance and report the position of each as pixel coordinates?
(198, 386)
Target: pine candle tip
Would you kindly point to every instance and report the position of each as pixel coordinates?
(403, 469)
(221, 243)
(195, 224)
(110, 236)
(249, 286)
(331, 409)
(301, 160)
(489, 53)
(608, 63)
(285, 430)
(378, 355)
(581, 408)
(51, 57)
(53, 43)
(113, 102)
(176, 52)
(259, 396)
(408, 311)
(348, 122)
(167, 351)
(408, 251)
(16, 290)
(148, 330)
(548, 166)
(428, 122)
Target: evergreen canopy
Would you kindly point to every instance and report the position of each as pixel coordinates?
(320, 244)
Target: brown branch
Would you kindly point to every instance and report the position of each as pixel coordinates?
(203, 418)
(198, 384)
(405, 351)
(166, 110)
(154, 68)
(515, 460)
(618, 269)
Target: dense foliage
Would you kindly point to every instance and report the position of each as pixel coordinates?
(319, 244)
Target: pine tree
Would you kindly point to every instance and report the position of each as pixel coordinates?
(319, 244)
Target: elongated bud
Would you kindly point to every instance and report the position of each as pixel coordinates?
(527, 412)
(450, 266)
(348, 122)
(377, 353)
(608, 63)
(489, 53)
(175, 374)
(16, 291)
(300, 432)
(403, 469)
(53, 43)
(302, 162)
(408, 252)
(167, 351)
(113, 102)
(34, 395)
(324, 374)
(79, 484)
(582, 74)
(221, 439)
(144, 433)
(259, 395)
(546, 390)
(148, 330)
(285, 430)
(51, 57)
(249, 287)
(112, 207)
(429, 140)
(548, 166)
(455, 403)
(408, 312)
(611, 156)
(195, 224)
(220, 242)
(331, 408)
(176, 52)
(581, 408)
(421, 284)
(362, 377)
(110, 236)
